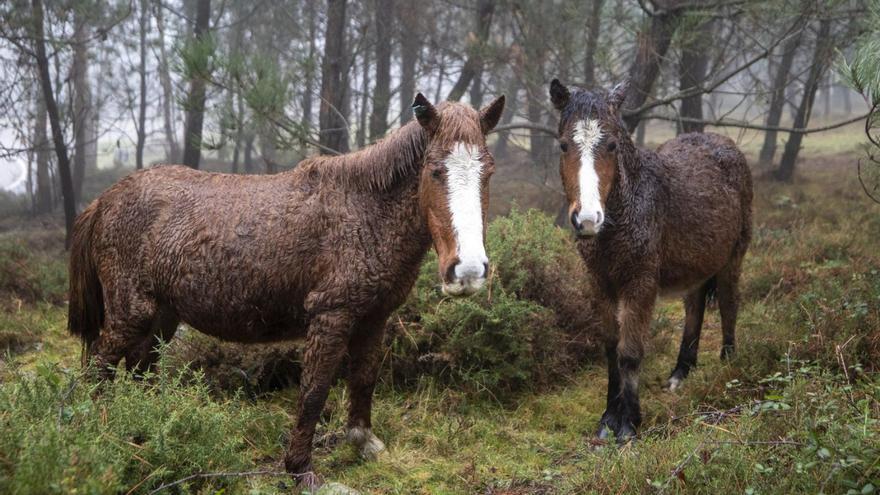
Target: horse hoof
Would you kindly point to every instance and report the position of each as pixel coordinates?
(604, 432)
(674, 383)
(627, 434)
(369, 445)
(727, 352)
(309, 483)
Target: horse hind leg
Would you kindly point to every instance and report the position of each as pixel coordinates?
(694, 309)
(728, 306)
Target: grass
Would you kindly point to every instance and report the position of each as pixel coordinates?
(796, 410)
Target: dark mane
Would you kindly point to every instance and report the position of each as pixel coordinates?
(583, 103)
(381, 165)
(378, 166)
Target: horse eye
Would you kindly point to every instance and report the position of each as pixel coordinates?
(563, 147)
(436, 173)
(612, 146)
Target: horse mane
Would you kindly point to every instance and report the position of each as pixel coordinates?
(378, 166)
(400, 154)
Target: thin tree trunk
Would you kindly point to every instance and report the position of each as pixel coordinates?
(239, 124)
(653, 43)
(409, 55)
(510, 108)
(692, 74)
(471, 68)
(476, 92)
(195, 107)
(142, 72)
(249, 153)
(361, 137)
(777, 98)
(334, 128)
(382, 90)
(54, 120)
(82, 103)
(43, 199)
(821, 58)
(167, 89)
(310, 65)
(593, 27)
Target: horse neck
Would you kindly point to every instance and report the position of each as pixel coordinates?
(380, 167)
(628, 191)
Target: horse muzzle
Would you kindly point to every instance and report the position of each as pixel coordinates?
(587, 225)
(466, 277)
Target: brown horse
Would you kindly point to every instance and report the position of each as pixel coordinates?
(677, 221)
(324, 252)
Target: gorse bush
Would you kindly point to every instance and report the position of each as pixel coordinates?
(531, 323)
(60, 433)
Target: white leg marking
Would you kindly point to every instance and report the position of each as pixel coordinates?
(587, 135)
(369, 444)
(464, 171)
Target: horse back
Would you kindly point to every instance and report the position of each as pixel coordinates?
(706, 214)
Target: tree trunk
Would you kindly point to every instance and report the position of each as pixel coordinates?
(82, 103)
(54, 120)
(43, 199)
(511, 106)
(593, 26)
(692, 74)
(239, 123)
(142, 72)
(334, 128)
(409, 56)
(361, 137)
(195, 106)
(167, 89)
(249, 154)
(382, 90)
(471, 68)
(821, 58)
(777, 98)
(653, 43)
(310, 66)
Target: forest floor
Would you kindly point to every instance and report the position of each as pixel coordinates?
(797, 410)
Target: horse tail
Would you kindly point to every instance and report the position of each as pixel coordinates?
(711, 287)
(85, 314)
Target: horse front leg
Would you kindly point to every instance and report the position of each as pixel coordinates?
(634, 320)
(608, 423)
(365, 352)
(326, 344)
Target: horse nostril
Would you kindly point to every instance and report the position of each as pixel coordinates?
(574, 220)
(599, 217)
(450, 272)
(485, 270)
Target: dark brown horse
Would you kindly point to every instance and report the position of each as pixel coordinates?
(677, 221)
(324, 252)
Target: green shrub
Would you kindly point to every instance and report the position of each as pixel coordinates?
(61, 434)
(530, 325)
(30, 275)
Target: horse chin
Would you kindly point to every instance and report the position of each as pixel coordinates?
(463, 288)
(588, 233)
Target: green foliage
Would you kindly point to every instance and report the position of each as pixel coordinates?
(863, 72)
(529, 325)
(61, 434)
(31, 276)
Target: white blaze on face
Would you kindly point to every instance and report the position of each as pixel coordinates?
(464, 171)
(587, 135)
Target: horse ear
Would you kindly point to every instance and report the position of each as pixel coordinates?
(425, 113)
(618, 95)
(491, 114)
(559, 94)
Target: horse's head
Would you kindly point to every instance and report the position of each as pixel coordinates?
(454, 188)
(591, 135)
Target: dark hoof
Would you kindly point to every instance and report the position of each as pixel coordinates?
(626, 434)
(604, 432)
(727, 351)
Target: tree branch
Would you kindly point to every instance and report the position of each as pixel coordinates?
(757, 127)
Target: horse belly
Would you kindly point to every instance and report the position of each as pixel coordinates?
(249, 325)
